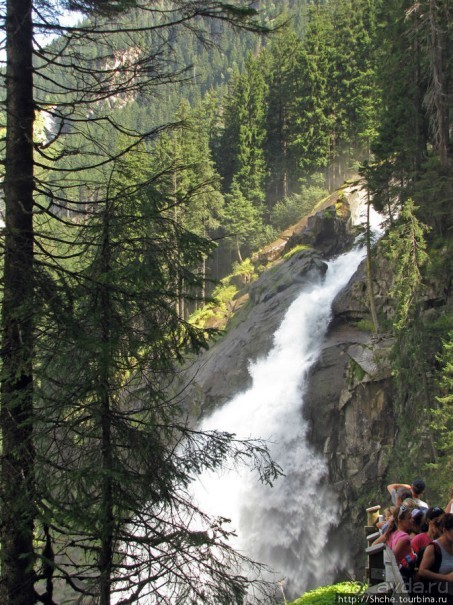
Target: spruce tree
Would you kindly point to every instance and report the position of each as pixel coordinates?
(250, 130)
(72, 337)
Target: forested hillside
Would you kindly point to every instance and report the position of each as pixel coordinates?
(147, 149)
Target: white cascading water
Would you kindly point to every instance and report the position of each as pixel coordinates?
(286, 526)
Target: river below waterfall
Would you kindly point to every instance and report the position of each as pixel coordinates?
(286, 526)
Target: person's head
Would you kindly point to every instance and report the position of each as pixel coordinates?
(433, 513)
(447, 526)
(409, 503)
(432, 521)
(389, 512)
(401, 494)
(417, 519)
(418, 487)
(404, 518)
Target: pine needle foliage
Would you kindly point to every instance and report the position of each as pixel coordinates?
(406, 247)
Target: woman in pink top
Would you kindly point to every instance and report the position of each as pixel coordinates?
(399, 540)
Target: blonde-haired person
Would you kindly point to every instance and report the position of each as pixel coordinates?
(392, 524)
(388, 516)
(398, 539)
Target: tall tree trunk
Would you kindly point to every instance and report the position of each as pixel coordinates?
(369, 268)
(17, 465)
(439, 77)
(107, 517)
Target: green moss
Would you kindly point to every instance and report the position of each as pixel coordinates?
(319, 204)
(295, 250)
(327, 595)
(342, 207)
(366, 325)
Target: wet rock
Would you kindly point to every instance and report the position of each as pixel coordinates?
(326, 231)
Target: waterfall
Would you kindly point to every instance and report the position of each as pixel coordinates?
(286, 526)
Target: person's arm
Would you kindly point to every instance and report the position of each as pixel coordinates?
(394, 486)
(382, 538)
(449, 507)
(427, 562)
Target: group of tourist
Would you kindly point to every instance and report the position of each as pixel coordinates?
(421, 538)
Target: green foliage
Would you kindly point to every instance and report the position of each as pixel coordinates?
(422, 431)
(246, 270)
(407, 251)
(242, 220)
(355, 373)
(366, 325)
(433, 193)
(414, 77)
(328, 595)
(220, 308)
(292, 208)
(442, 418)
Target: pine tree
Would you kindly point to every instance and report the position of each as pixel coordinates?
(17, 464)
(112, 487)
(401, 145)
(249, 119)
(63, 283)
(430, 22)
(407, 249)
(442, 415)
(242, 220)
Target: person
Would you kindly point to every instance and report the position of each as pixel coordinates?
(388, 516)
(398, 540)
(399, 495)
(416, 488)
(392, 525)
(430, 532)
(436, 566)
(417, 525)
(449, 507)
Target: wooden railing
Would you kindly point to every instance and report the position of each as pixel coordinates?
(382, 573)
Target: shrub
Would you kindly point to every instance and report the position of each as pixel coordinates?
(327, 595)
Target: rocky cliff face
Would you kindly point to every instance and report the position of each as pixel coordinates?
(349, 397)
(349, 405)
